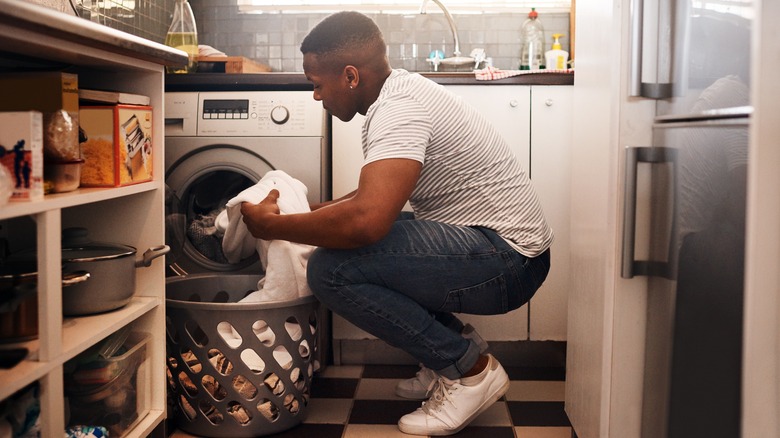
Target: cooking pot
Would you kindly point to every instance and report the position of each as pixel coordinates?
(112, 272)
(19, 300)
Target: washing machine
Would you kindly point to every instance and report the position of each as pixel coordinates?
(218, 144)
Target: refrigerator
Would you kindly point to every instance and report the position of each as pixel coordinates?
(684, 210)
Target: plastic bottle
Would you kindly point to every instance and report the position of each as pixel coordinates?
(532, 38)
(183, 35)
(557, 58)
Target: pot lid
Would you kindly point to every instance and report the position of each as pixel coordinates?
(19, 271)
(76, 247)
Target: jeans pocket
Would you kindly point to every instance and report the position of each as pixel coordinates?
(486, 298)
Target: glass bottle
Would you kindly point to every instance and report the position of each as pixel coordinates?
(532, 38)
(183, 35)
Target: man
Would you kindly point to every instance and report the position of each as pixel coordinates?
(477, 241)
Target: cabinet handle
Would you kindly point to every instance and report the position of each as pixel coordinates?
(631, 267)
(548, 102)
(513, 103)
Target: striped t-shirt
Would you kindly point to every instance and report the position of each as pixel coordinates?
(469, 175)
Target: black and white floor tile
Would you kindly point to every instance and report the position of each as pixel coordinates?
(359, 401)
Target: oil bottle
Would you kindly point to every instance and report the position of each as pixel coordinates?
(183, 35)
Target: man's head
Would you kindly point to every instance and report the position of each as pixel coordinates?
(344, 56)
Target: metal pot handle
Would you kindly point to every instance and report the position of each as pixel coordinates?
(74, 277)
(151, 254)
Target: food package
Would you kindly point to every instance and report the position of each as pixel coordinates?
(21, 153)
(118, 147)
(56, 95)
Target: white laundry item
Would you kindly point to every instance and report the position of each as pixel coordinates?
(284, 262)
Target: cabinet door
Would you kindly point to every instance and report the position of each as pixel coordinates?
(508, 107)
(551, 174)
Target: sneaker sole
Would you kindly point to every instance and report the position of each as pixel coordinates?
(411, 430)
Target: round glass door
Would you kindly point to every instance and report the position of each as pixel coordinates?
(199, 186)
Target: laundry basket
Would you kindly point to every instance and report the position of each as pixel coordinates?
(237, 369)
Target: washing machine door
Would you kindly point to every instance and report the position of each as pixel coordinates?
(199, 185)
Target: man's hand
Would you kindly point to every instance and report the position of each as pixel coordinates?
(258, 217)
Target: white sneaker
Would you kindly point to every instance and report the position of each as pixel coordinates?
(455, 403)
(420, 386)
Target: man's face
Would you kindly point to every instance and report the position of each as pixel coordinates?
(330, 87)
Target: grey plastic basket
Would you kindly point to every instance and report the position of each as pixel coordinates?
(237, 369)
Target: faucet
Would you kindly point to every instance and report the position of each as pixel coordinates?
(449, 20)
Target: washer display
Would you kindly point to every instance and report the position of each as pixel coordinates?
(220, 143)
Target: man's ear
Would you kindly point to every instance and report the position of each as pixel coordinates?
(351, 76)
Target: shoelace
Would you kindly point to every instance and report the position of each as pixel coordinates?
(441, 394)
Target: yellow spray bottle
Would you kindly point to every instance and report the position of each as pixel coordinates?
(557, 58)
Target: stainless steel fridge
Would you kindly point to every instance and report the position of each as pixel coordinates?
(684, 210)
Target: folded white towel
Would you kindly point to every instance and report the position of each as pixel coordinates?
(284, 262)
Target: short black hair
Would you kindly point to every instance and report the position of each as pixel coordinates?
(341, 32)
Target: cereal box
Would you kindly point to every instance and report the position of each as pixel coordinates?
(21, 152)
(118, 149)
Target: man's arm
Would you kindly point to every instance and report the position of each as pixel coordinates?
(353, 221)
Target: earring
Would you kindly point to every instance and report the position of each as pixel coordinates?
(351, 87)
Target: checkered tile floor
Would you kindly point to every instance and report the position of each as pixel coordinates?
(360, 402)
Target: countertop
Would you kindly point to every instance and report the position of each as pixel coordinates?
(297, 81)
(28, 29)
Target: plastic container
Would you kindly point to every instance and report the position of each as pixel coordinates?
(63, 176)
(183, 35)
(113, 392)
(532, 39)
(557, 58)
(237, 369)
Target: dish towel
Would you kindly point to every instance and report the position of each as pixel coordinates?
(491, 73)
(284, 262)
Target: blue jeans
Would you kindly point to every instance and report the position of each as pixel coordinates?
(404, 288)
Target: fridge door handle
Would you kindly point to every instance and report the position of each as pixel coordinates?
(636, 87)
(636, 18)
(630, 266)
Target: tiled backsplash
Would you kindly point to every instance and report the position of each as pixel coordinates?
(149, 19)
(274, 39)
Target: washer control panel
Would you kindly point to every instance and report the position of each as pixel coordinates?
(245, 114)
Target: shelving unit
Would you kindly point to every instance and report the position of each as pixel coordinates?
(33, 37)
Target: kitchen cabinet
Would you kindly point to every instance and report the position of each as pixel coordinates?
(535, 120)
(35, 38)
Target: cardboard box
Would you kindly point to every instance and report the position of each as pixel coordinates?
(118, 150)
(21, 152)
(40, 91)
(51, 93)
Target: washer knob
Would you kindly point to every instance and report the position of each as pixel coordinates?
(280, 115)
